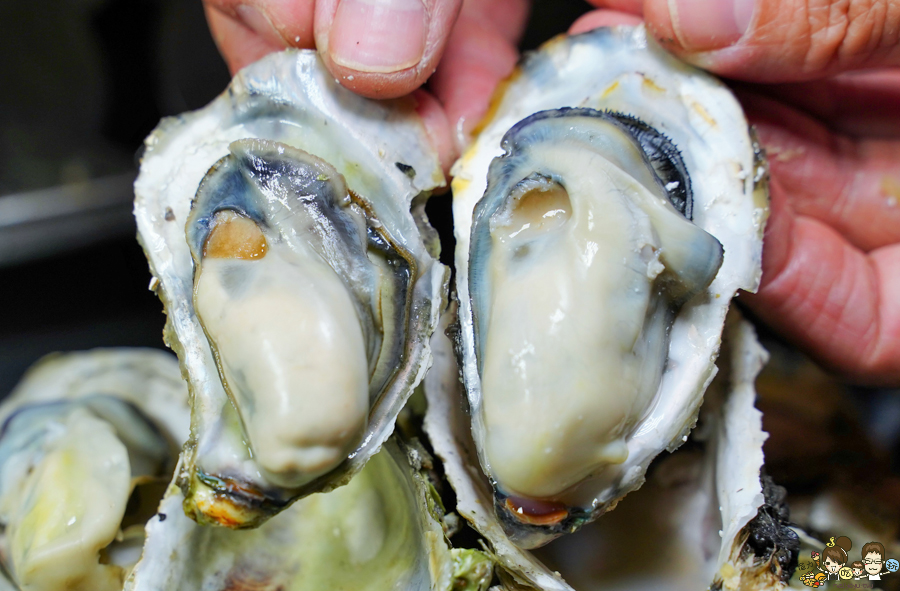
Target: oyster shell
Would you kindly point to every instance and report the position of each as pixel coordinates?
(591, 215)
(88, 443)
(285, 226)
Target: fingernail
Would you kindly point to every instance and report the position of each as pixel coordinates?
(256, 20)
(378, 35)
(710, 24)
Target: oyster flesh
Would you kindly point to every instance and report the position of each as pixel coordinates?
(610, 207)
(285, 226)
(87, 447)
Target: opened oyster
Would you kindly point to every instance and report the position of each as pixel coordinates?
(609, 209)
(87, 452)
(88, 446)
(284, 224)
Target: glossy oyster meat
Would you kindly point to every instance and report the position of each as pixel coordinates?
(88, 445)
(284, 225)
(705, 518)
(610, 207)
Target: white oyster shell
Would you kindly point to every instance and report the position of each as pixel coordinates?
(383, 153)
(621, 70)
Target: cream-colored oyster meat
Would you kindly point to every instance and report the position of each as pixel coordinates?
(705, 518)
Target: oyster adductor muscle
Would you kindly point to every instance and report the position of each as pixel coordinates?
(285, 225)
(606, 213)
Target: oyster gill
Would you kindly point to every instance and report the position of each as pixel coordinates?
(277, 267)
(662, 158)
(87, 440)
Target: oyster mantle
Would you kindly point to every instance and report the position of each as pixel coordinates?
(381, 155)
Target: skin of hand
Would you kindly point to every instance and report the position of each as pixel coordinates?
(388, 48)
(819, 80)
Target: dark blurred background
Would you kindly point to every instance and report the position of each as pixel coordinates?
(81, 84)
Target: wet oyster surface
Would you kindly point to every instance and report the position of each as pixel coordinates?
(304, 300)
(705, 518)
(612, 204)
(285, 225)
(87, 447)
(383, 530)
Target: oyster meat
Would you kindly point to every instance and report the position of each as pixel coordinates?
(87, 447)
(705, 519)
(383, 530)
(610, 207)
(285, 226)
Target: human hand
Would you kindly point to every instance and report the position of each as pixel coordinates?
(831, 258)
(388, 48)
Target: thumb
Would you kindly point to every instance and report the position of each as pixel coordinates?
(778, 40)
(383, 48)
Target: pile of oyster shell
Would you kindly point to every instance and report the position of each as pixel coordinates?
(609, 209)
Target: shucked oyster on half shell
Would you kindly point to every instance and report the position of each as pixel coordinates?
(284, 225)
(88, 445)
(383, 530)
(610, 207)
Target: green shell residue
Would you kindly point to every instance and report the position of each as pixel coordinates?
(472, 570)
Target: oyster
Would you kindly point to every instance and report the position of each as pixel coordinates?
(284, 225)
(610, 207)
(87, 447)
